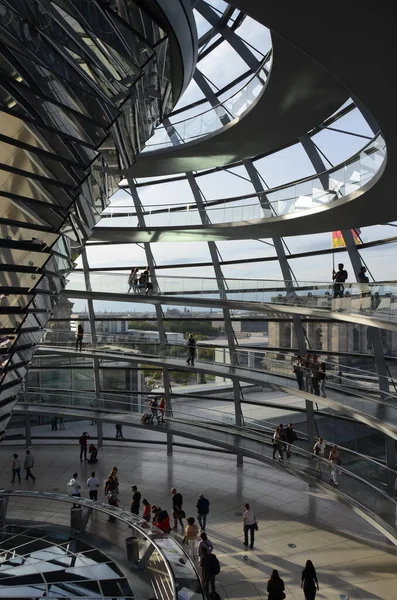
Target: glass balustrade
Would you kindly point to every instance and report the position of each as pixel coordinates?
(377, 300)
(213, 119)
(360, 477)
(307, 194)
(370, 404)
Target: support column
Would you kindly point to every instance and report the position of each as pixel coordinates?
(94, 339)
(374, 336)
(231, 340)
(163, 349)
(289, 286)
(28, 432)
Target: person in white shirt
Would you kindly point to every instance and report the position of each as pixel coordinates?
(93, 486)
(74, 487)
(250, 525)
(319, 451)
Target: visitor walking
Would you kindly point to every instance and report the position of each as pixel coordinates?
(204, 543)
(54, 424)
(74, 487)
(136, 500)
(298, 370)
(16, 469)
(309, 581)
(277, 445)
(161, 409)
(79, 337)
(133, 280)
(322, 373)
(308, 373)
(319, 451)
(210, 568)
(83, 440)
(339, 277)
(249, 525)
(178, 513)
(191, 535)
(28, 466)
(203, 509)
(191, 344)
(119, 431)
(61, 424)
(291, 438)
(334, 458)
(315, 368)
(93, 486)
(275, 587)
(154, 410)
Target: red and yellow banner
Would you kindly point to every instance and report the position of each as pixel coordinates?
(338, 241)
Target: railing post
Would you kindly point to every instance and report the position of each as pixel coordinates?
(3, 509)
(28, 432)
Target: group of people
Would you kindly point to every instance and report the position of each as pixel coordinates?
(311, 375)
(139, 281)
(156, 411)
(28, 465)
(92, 449)
(319, 450)
(283, 438)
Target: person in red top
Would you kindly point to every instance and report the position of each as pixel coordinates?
(83, 445)
(161, 519)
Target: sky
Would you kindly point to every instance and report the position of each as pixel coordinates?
(220, 68)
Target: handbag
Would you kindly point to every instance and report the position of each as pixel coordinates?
(185, 541)
(256, 528)
(182, 514)
(283, 596)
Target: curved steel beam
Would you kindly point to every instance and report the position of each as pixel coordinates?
(298, 96)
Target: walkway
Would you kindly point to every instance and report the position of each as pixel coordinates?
(298, 96)
(372, 412)
(344, 309)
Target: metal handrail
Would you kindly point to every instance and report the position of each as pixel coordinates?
(221, 104)
(249, 423)
(176, 207)
(120, 514)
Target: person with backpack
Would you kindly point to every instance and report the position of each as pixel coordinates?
(203, 508)
(204, 543)
(319, 451)
(210, 568)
